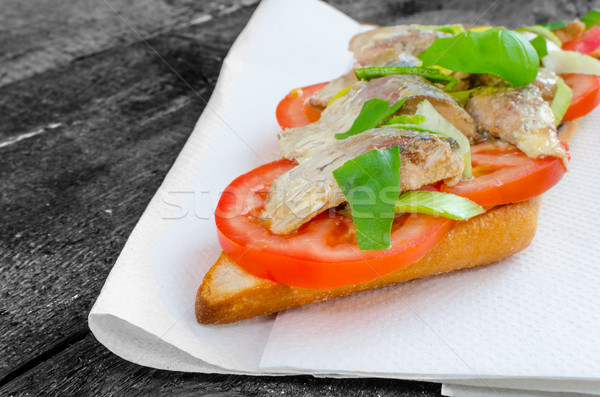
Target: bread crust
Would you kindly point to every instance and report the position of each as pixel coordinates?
(229, 294)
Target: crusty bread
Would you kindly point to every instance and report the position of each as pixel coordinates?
(228, 293)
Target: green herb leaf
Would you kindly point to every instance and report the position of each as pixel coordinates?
(406, 119)
(371, 184)
(374, 112)
(591, 19)
(430, 74)
(553, 25)
(371, 112)
(539, 43)
(437, 204)
(499, 52)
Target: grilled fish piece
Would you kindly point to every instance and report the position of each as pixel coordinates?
(387, 57)
(310, 188)
(519, 116)
(546, 81)
(403, 38)
(322, 98)
(303, 142)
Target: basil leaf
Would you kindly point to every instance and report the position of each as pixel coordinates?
(500, 52)
(371, 184)
(371, 111)
(374, 112)
(539, 43)
(553, 25)
(591, 19)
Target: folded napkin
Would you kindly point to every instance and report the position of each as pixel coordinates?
(527, 389)
(529, 322)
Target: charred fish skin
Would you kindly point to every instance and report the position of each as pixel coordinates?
(310, 188)
(303, 142)
(519, 116)
(402, 38)
(546, 80)
(388, 57)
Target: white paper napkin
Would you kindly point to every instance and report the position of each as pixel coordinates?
(145, 311)
(471, 391)
(527, 322)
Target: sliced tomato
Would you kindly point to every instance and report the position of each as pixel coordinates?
(503, 174)
(588, 43)
(323, 253)
(586, 94)
(295, 111)
(586, 88)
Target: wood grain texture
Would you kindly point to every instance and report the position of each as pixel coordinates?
(88, 369)
(91, 120)
(71, 195)
(509, 13)
(38, 35)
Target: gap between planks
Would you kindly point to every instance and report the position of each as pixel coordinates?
(44, 356)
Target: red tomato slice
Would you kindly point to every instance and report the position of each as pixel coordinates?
(504, 174)
(588, 43)
(586, 94)
(323, 253)
(295, 111)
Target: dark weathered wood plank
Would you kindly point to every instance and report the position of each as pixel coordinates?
(88, 369)
(510, 13)
(38, 35)
(109, 126)
(71, 196)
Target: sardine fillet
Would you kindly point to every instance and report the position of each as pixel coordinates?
(387, 57)
(403, 38)
(519, 116)
(310, 188)
(303, 142)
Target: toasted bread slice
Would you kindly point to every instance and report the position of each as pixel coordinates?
(229, 294)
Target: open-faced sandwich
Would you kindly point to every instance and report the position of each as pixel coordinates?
(428, 156)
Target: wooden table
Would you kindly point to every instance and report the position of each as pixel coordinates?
(97, 97)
